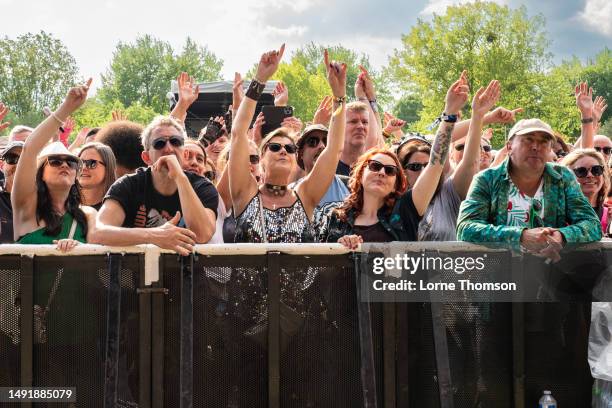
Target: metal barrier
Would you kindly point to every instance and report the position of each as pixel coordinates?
(278, 326)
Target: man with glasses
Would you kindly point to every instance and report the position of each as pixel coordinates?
(603, 145)
(10, 156)
(528, 202)
(160, 204)
(310, 146)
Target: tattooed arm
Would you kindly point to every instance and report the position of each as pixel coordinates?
(425, 187)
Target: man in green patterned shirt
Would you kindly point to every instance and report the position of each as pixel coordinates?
(526, 200)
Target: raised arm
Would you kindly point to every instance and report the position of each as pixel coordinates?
(366, 92)
(316, 183)
(4, 110)
(584, 102)
(24, 183)
(498, 115)
(242, 186)
(425, 186)
(188, 94)
(484, 99)
(599, 107)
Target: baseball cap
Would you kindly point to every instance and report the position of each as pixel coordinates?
(524, 126)
(10, 146)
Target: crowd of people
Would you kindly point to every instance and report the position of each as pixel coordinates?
(349, 176)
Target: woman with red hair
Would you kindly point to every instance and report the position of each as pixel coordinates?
(378, 208)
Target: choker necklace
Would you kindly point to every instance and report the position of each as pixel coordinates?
(276, 190)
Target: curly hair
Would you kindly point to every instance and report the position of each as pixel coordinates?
(44, 207)
(123, 137)
(354, 202)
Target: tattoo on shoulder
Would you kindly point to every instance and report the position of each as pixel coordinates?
(439, 151)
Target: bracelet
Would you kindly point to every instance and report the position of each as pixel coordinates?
(449, 118)
(339, 99)
(255, 90)
(54, 116)
(587, 120)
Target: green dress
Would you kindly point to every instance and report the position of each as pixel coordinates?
(38, 236)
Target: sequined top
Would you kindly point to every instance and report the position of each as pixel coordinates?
(284, 225)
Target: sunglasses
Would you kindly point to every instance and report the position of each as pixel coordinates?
(211, 175)
(313, 141)
(581, 172)
(59, 161)
(561, 153)
(605, 150)
(375, 167)
(92, 163)
(415, 166)
(486, 148)
(11, 158)
(254, 159)
(276, 147)
(537, 221)
(175, 141)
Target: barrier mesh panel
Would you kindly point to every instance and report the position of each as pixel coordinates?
(9, 321)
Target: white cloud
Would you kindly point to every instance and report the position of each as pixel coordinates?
(597, 14)
(439, 6)
(291, 31)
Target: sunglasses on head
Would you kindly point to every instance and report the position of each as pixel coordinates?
(313, 141)
(605, 150)
(59, 161)
(415, 166)
(254, 159)
(375, 167)
(276, 147)
(92, 163)
(11, 158)
(211, 175)
(486, 148)
(175, 141)
(596, 170)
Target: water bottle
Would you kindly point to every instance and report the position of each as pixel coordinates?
(547, 401)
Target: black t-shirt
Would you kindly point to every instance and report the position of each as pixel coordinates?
(343, 169)
(372, 233)
(144, 207)
(6, 219)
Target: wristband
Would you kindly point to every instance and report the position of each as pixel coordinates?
(255, 90)
(54, 116)
(449, 118)
(587, 120)
(339, 99)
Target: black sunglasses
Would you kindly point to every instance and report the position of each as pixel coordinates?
(92, 163)
(313, 141)
(11, 158)
(254, 159)
(59, 161)
(561, 153)
(415, 166)
(486, 148)
(276, 147)
(211, 175)
(375, 166)
(605, 150)
(175, 141)
(596, 170)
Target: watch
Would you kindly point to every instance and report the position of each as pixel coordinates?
(449, 118)
(586, 120)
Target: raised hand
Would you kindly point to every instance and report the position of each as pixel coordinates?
(336, 76)
(457, 95)
(323, 114)
(118, 115)
(75, 98)
(502, 115)
(484, 99)
(599, 107)
(79, 139)
(268, 64)
(237, 91)
(392, 124)
(293, 123)
(584, 99)
(187, 89)
(256, 135)
(281, 94)
(4, 110)
(368, 84)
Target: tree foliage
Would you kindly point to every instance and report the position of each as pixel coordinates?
(141, 72)
(36, 70)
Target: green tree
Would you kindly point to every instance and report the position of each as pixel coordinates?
(141, 71)
(36, 70)
(408, 108)
(489, 40)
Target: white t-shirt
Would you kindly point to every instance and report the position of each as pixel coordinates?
(524, 210)
(222, 214)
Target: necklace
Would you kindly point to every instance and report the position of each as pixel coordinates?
(276, 190)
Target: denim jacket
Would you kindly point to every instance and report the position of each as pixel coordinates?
(483, 214)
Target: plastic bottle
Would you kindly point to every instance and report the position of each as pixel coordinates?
(547, 400)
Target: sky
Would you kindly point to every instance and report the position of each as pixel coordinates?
(238, 31)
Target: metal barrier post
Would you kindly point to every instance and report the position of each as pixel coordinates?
(273, 329)
(443, 370)
(26, 281)
(144, 338)
(186, 363)
(157, 346)
(113, 318)
(518, 341)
